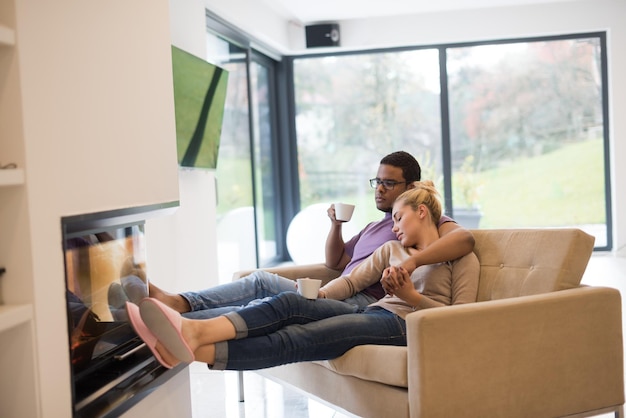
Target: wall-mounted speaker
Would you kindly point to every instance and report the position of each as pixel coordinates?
(322, 35)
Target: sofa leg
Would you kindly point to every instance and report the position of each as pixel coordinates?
(620, 412)
(241, 394)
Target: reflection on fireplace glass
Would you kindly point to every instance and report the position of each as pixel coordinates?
(104, 270)
(106, 264)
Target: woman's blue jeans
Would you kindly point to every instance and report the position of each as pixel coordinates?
(250, 290)
(289, 328)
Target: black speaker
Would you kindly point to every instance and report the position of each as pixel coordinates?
(322, 35)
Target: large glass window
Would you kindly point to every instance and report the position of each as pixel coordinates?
(527, 134)
(513, 133)
(516, 138)
(244, 175)
(235, 199)
(262, 91)
(351, 110)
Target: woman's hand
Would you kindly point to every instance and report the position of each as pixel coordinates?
(397, 282)
(394, 278)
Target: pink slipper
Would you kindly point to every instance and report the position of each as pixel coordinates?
(144, 333)
(165, 323)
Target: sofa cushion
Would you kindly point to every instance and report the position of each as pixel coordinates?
(378, 363)
(509, 267)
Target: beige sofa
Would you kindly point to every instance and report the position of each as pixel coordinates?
(536, 344)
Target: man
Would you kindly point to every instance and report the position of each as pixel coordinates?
(396, 173)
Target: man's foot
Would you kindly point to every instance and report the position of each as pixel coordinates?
(116, 296)
(135, 289)
(172, 300)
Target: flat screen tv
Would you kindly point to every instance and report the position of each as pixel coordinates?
(199, 98)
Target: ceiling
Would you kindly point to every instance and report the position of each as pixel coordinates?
(307, 11)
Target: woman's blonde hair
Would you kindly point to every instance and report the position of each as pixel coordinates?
(423, 193)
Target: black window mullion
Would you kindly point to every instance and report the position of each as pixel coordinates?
(289, 185)
(605, 128)
(446, 152)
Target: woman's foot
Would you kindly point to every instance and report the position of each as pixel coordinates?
(173, 300)
(166, 356)
(160, 353)
(167, 326)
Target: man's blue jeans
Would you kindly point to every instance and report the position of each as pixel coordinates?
(289, 328)
(252, 289)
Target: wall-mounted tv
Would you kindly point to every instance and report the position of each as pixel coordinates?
(199, 97)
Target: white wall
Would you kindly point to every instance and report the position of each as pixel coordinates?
(192, 264)
(98, 118)
(255, 18)
(485, 24)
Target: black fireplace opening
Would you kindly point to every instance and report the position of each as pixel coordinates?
(105, 267)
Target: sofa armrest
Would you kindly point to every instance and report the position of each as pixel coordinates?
(544, 355)
(313, 271)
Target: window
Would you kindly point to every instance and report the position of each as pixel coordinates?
(515, 138)
(262, 89)
(351, 110)
(235, 200)
(513, 133)
(244, 174)
(527, 134)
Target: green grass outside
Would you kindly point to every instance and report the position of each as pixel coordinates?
(563, 187)
(234, 184)
(560, 188)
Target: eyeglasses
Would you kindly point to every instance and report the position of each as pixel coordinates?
(387, 184)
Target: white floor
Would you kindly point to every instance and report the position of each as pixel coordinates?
(215, 394)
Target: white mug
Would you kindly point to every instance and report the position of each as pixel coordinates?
(343, 211)
(309, 288)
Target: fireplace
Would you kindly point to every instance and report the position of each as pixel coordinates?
(105, 266)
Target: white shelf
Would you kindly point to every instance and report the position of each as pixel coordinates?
(13, 315)
(11, 177)
(7, 36)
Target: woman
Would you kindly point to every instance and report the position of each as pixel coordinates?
(289, 328)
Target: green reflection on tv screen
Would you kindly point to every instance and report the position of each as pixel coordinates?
(199, 97)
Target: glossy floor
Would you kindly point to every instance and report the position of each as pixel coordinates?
(215, 394)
